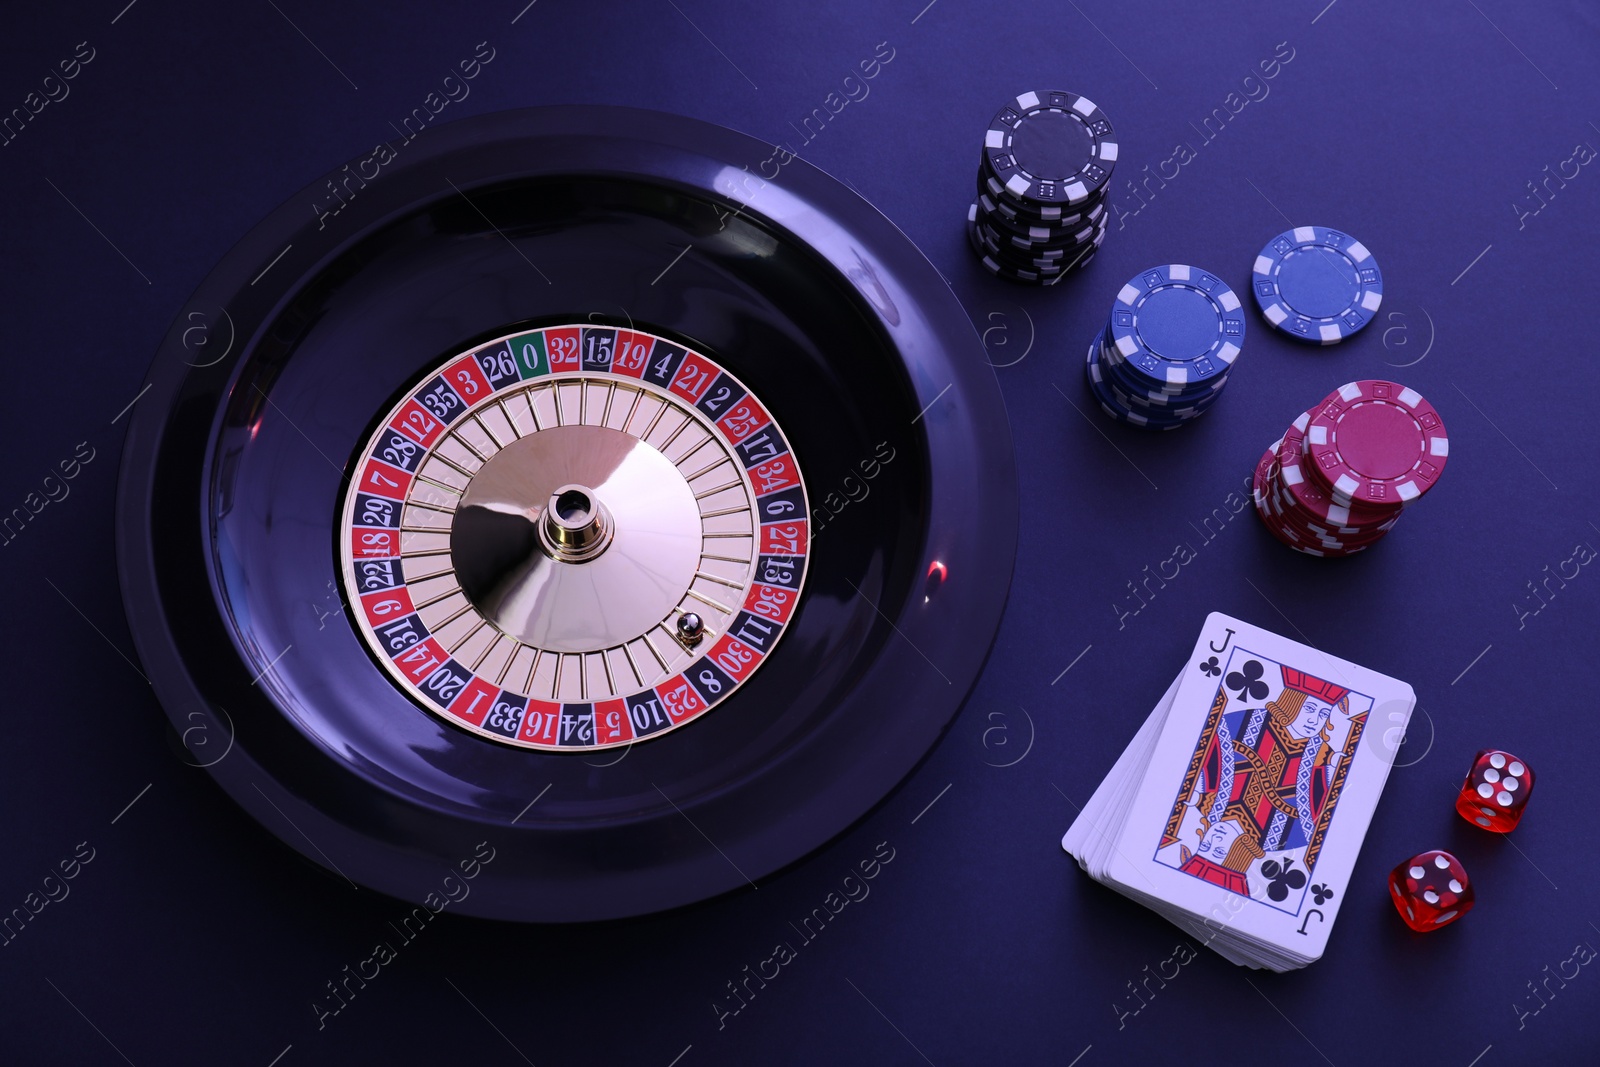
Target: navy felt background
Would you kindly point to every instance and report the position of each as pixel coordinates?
(193, 937)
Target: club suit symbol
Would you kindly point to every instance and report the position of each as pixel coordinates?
(1282, 877)
(1246, 682)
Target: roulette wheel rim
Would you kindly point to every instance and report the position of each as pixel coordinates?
(216, 556)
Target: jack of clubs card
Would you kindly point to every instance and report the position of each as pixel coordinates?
(1260, 790)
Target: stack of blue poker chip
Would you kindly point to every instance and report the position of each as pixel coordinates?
(1316, 284)
(1168, 347)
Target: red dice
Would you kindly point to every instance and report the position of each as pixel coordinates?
(1430, 890)
(1496, 791)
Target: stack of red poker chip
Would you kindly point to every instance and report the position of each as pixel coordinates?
(1338, 479)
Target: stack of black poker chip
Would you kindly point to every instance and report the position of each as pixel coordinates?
(1040, 212)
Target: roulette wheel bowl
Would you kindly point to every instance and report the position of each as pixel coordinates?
(277, 374)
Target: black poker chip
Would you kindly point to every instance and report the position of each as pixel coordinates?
(1040, 212)
(1051, 147)
(1002, 217)
(1049, 246)
(1019, 268)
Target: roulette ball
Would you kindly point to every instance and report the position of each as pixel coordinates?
(562, 487)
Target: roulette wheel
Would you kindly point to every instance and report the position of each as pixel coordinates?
(562, 488)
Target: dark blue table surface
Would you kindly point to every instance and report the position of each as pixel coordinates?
(1454, 139)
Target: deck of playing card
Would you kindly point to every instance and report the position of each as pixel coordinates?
(1238, 808)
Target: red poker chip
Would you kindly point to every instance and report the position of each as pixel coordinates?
(1377, 443)
(1306, 506)
(1287, 504)
(1272, 526)
(1305, 547)
(1341, 535)
(1301, 480)
(1296, 521)
(1261, 488)
(1266, 470)
(1287, 530)
(1311, 546)
(1303, 532)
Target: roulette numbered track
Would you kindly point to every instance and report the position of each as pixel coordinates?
(572, 488)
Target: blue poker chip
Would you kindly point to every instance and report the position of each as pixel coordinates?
(1145, 392)
(1316, 284)
(1132, 398)
(1178, 326)
(1149, 392)
(1157, 414)
(1140, 403)
(1106, 396)
(1185, 407)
